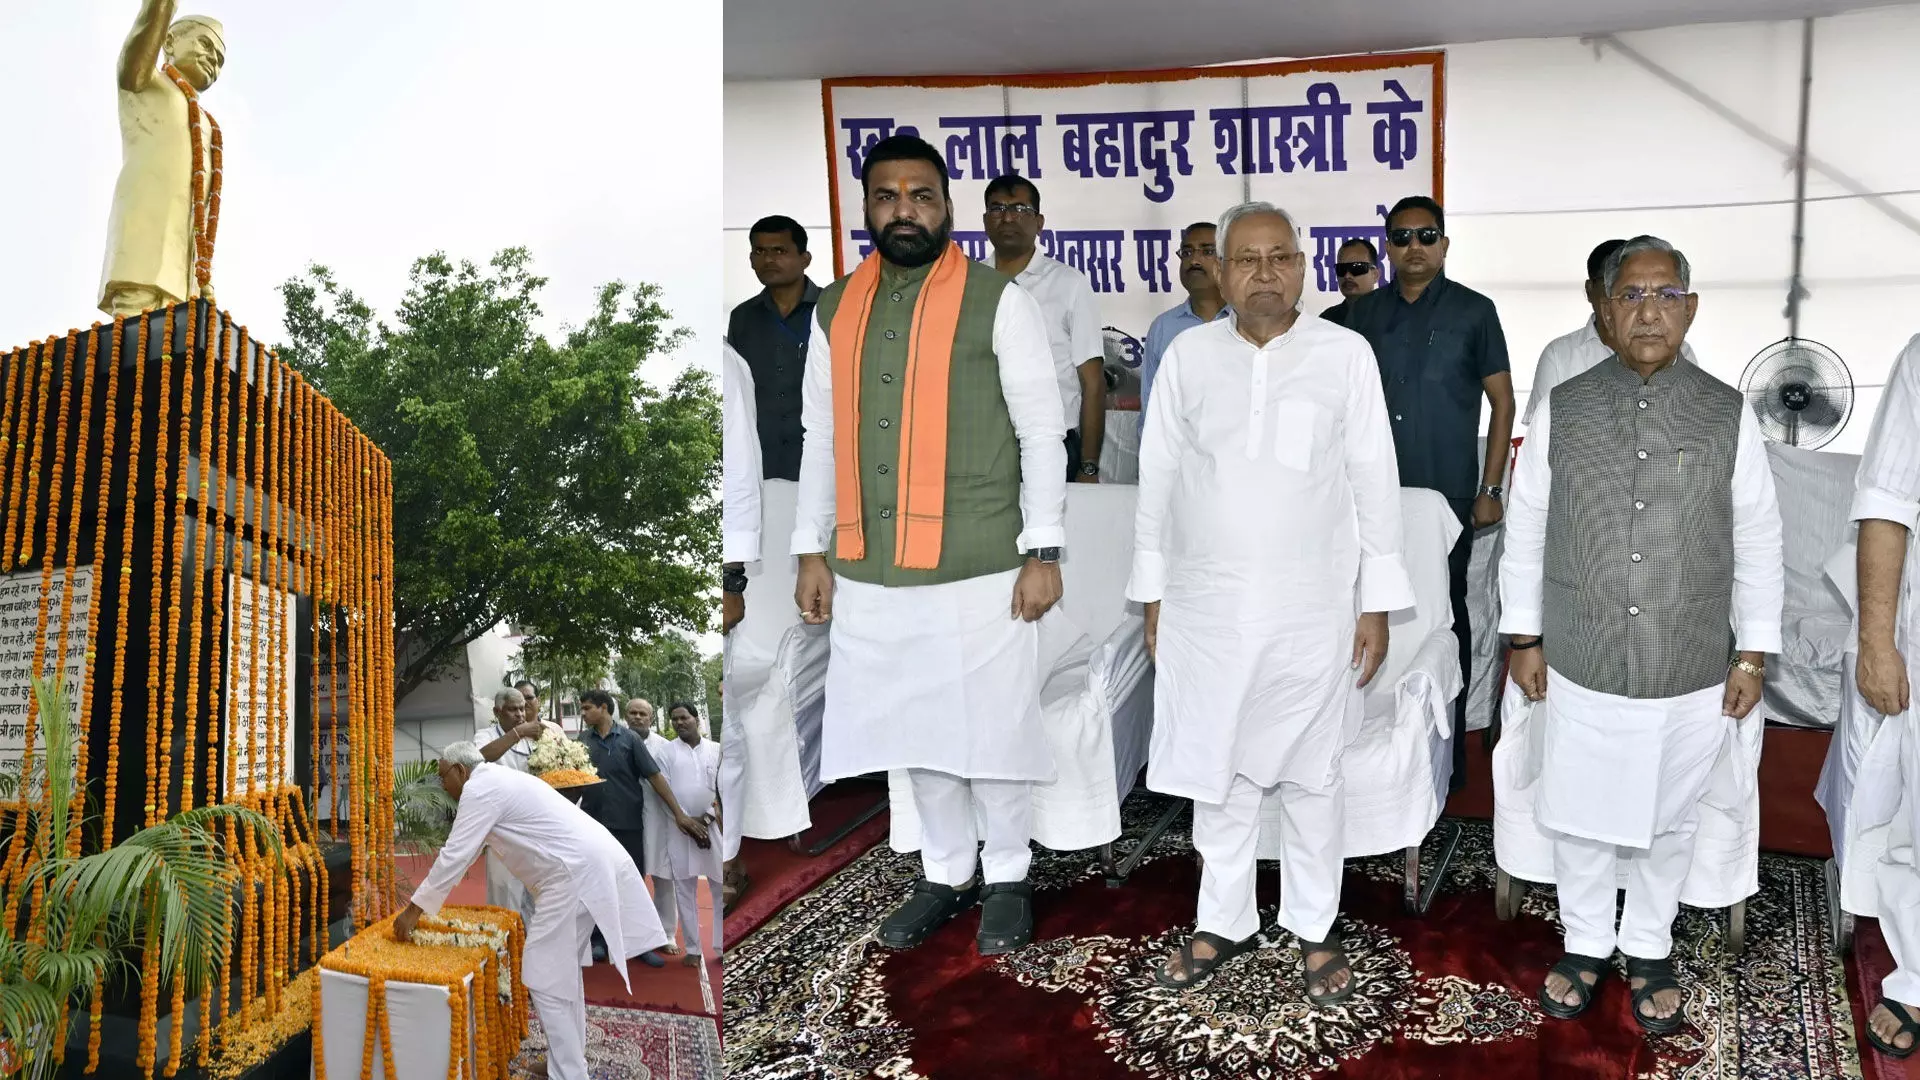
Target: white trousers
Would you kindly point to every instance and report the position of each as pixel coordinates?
(1311, 859)
(685, 893)
(1898, 876)
(949, 842)
(1587, 880)
(559, 994)
(663, 901)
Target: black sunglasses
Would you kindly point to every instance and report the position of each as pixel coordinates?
(1353, 269)
(1399, 237)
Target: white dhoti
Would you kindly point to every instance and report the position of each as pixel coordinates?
(557, 989)
(942, 680)
(1897, 876)
(1623, 778)
(685, 898)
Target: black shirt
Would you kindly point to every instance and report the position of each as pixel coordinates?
(624, 763)
(1337, 314)
(775, 350)
(1433, 354)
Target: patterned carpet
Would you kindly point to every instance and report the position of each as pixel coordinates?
(637, 1044)
(1448, 994)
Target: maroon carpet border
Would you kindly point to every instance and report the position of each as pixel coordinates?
(762, 904)
(629, 1006)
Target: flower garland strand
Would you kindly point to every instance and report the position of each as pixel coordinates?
(203, 132)
(98, 999)
(176, 606)
(36, 453)
(21, 368)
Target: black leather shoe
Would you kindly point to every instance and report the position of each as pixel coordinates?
(929, 908)
(1006, 917)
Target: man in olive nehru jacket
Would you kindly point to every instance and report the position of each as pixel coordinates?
(1642, 549)
(932, 495)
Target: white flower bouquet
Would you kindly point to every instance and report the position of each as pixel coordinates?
(556, 752)
(469, 935)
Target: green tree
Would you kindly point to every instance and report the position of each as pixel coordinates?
(560, 671)
(664, 668)
(545, 483)
(711, 668)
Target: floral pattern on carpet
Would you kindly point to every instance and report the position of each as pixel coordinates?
(812, 994)
(637, 1044)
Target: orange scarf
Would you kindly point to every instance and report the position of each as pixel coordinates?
(923, 420)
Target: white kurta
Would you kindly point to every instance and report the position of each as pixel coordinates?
(566, 858)
(659, 820)
(1269, 518)
(1608, 759)
(1569, 355)
(940, 677)
(693, 772)
(1073, 324)
(740, 462)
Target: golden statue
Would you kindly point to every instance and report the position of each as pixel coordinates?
(166, 205)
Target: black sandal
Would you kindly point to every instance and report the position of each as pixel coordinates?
(1909, 1025)
(1571, 967)
(1659, 976)
(1323, 973)
(1199, 969)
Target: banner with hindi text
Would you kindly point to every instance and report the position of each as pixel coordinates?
(1124, 161)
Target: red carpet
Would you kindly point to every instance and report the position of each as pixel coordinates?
(779, 875)
(1448, 994)
(637, 1044)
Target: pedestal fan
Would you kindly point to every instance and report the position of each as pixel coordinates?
(1801, 392)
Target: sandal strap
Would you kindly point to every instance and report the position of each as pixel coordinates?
(1193, 968)
(1909, 1020)
(1338, 964)
(1656, 975)
(1573, 965)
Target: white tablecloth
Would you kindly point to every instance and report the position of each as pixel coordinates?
(417, 1016)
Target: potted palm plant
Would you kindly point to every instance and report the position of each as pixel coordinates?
(169, 885)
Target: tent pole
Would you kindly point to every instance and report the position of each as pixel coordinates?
(1795, 291)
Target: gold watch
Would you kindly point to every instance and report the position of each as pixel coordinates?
(1758, 671)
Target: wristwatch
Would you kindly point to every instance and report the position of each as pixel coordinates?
(1045, 555)
(1089, 468)
(1493, 491)
(733, 581)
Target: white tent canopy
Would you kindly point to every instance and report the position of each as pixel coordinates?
(1552, 143)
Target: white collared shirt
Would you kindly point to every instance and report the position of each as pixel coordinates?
(1569, 355)
(1033, 404)
(740, 462)
(1269, 470)
(1073, 324)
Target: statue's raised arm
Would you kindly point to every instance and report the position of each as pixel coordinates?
(166, 204)
(140, 56)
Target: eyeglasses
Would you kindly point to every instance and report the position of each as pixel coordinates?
(1428, 236)
(1275, 261)
(1203, 249)
(1015, 209)
(1664, 299)
(1353, 269)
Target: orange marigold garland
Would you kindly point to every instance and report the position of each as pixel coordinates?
(34, 455)
(203, 132)
(163, 404)
(21, 371)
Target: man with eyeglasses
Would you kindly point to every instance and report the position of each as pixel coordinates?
(1359, 271)
(1642, 551)
(771, 332)
(1200, 276)
(1441, 352)
(931, 512)
(1572, 353)
(1013, 221)
(1267, 550)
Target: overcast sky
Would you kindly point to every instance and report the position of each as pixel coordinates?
(363, 134)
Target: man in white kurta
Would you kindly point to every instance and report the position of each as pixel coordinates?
(1886, 503)
(934, 566)
(659, 819)
(1267, 550)
(1577, 350)
(1642, 549)
(739, 545)
(691, 765)
(580, 873)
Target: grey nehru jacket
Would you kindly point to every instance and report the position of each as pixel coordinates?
(1638, 559)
